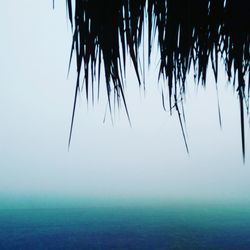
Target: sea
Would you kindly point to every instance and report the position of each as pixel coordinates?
(114, 226)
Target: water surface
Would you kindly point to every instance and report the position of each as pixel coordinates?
(173, 226)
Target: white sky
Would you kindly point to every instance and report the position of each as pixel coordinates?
(146, 161)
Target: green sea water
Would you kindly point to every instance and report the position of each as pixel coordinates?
(100, 225)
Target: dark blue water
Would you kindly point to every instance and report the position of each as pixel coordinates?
(148, 227)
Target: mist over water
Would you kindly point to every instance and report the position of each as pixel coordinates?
(147, 162)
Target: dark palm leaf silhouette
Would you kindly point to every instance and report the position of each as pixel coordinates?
(189, 33)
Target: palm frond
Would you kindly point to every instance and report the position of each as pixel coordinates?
(189, 33)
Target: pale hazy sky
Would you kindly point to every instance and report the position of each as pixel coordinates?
(147, 161)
